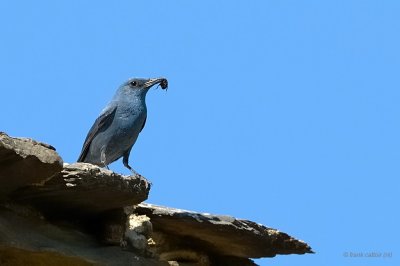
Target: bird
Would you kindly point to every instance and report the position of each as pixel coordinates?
(117, 128)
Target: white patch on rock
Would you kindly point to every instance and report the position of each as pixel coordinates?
(139, 229)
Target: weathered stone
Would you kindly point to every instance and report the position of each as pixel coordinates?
(86, 189)
(222, 235)
(138, 231)
(25, 162)
(10, 256)
(90, 218)
(25, 234)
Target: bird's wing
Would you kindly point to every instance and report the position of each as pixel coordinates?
(101, 124)
(144, 123)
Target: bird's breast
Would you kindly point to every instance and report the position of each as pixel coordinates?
(131, 115)
(130, 120)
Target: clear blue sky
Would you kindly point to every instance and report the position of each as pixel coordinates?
(282, 112)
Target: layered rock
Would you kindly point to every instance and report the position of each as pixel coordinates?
(24, 162)
(26, 238)
(220, 234)
(81, 214)
(185, 235)
(87, 189)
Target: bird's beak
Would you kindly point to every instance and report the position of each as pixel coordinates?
(151, 82)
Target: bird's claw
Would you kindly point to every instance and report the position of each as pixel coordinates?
(134, 172)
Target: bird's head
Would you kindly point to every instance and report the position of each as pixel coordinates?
(140, 86)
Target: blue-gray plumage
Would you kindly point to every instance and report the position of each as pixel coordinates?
(116, 129)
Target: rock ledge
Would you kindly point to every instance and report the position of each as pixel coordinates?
(86, 215)
(85, 188)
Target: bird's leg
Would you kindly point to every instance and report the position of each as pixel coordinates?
(125, 161)
(134, 172)
(103, 158)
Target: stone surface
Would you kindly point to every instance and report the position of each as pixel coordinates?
(82, 214)
(24, 234)
(10, 256)
(24, 162)
(138, 231)
(223, 235)
(87, 189)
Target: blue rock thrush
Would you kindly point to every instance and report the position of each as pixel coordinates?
(116, 129)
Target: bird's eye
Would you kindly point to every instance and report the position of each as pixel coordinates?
(133, 83)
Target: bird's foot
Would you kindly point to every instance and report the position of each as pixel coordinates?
(132, 170)
(125, 161)
(105, 165)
